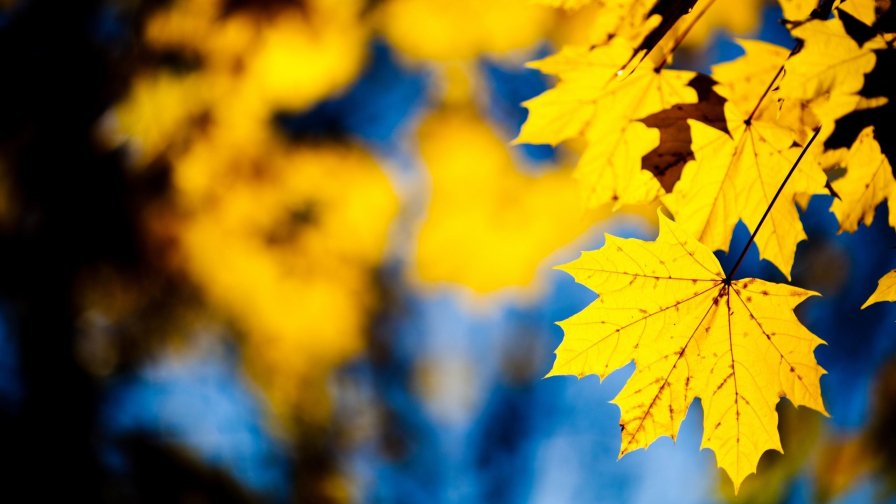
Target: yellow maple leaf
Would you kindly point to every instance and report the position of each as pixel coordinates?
(735, 175)
(886, 290)
(595, 99)
(868, 181)
(692, 333)
(736, 179)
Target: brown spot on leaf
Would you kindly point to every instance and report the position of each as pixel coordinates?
(668, 159)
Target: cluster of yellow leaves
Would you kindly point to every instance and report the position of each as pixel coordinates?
(738, 152)
(827, 74)
(605, 99)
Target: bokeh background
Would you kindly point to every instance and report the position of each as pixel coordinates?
(284, 250)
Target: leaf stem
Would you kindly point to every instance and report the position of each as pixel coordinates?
(768, 210)
(768, 88)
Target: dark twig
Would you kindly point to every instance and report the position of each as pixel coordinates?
(768, 210)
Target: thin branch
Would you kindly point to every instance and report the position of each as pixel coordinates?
(683, 35)
(768, 210)
(768, 88)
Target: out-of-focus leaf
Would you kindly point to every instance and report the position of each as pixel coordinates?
(488, 224)
(449, 30)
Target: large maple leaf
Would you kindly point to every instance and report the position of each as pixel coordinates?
(692, 333)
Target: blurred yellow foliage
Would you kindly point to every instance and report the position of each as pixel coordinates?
(444, 30)
(288, 254)
(253, 64)
(310, 46)
(489, 225)
(155, 114)
(282, 239)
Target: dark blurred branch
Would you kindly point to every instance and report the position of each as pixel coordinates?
(73, 213)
